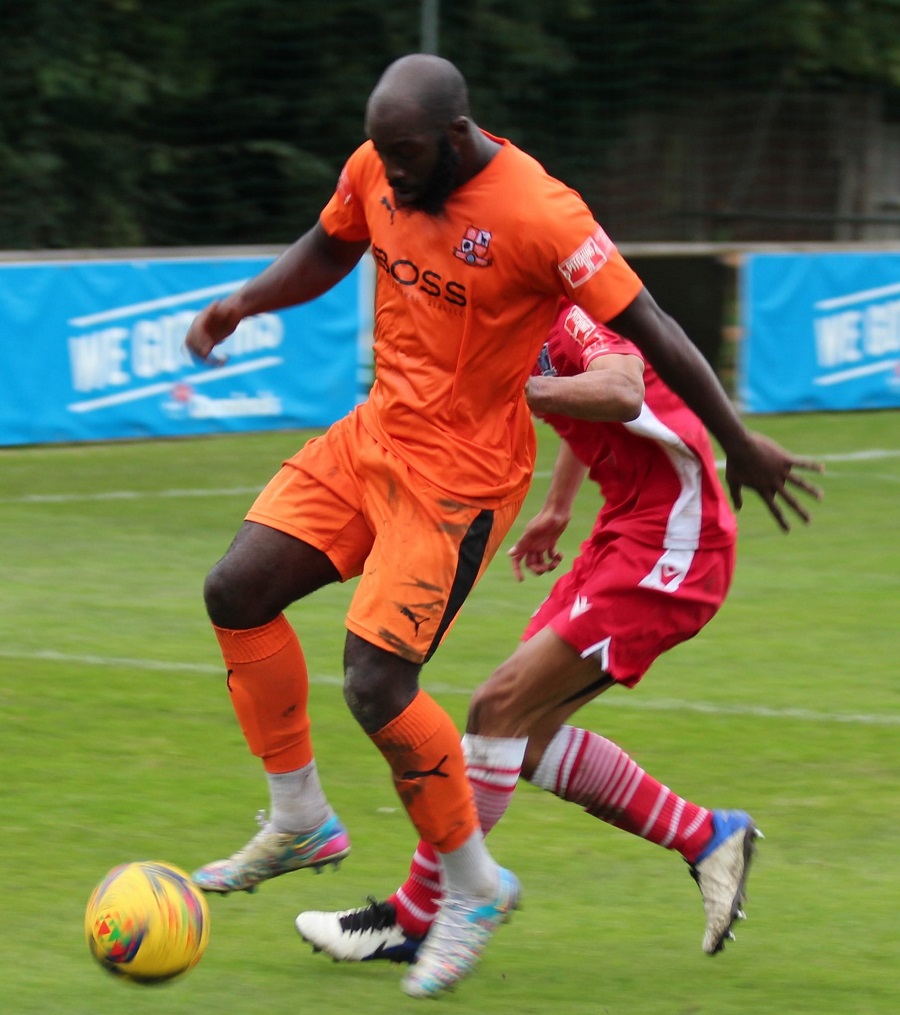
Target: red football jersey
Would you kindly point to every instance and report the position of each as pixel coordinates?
(657, 473)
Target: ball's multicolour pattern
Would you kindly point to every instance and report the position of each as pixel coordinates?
(147, 922)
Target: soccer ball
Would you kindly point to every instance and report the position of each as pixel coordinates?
(146, 922)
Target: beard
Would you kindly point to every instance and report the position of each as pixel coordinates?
(442, 181)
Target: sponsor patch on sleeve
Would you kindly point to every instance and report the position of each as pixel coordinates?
(587, 260)
(343, 187)
(579, 325)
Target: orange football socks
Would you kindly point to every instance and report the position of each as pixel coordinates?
(423, 748)
(269, 687)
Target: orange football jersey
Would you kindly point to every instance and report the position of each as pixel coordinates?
(463, 304)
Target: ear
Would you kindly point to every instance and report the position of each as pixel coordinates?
(459, 129)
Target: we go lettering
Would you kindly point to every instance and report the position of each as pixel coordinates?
(154, 347)
(851, 335)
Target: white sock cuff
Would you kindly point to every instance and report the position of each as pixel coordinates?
(297, 800)
(494, 752)
(546, 774)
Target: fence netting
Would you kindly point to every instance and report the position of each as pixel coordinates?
(127, 123)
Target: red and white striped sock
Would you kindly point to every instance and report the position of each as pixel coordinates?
(418, 899)
(589, 770)
(493, 765)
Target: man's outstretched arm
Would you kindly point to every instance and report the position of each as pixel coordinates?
(309, 267)
(752, 460)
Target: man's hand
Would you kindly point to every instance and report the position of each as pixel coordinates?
(766, 467)
(537, 545)
(210, 327)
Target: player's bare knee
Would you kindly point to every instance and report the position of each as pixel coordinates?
(378, 685)
(239, 599)
(218, 595)
(373, 702)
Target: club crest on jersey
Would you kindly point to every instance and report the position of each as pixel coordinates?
(544, 363)
(587, 260)
(473, 248)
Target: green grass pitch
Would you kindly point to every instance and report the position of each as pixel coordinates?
(118, 743)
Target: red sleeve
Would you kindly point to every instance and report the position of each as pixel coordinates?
(589, 339)
(603, 342)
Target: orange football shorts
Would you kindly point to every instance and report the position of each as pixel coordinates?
(418, 551)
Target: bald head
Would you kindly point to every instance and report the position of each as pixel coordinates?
(428, 89)
(417, 118)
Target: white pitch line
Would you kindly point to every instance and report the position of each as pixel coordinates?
(68, 498)
(872, 454)
(620, 701)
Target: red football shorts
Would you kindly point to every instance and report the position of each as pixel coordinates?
(624, 603)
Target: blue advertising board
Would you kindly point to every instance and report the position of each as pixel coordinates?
(93, 350)
(821, 331)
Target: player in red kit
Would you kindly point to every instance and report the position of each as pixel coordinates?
(654, 570)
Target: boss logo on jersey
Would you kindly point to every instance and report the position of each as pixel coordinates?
(431, 283)
(587, 260)
(579, 325)
(473, 248)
